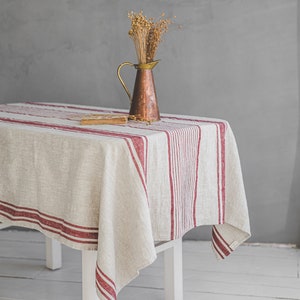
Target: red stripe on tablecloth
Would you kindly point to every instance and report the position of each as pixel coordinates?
(89, 109)
(137, 168)
(216, 231)
(49, 230)
(146, 157)
(196, 180)
(67, 128)
(111, 282)
(102, 291)
(220, 254)
(191, 119)
(104, 282)
(220, 242)
(41, 112)
(49, 111)
(220, 127)
(48, 216)
(34, 216)
(171, 186)
(218, 174)
(140, 144)
(222, 136)
(70, 106)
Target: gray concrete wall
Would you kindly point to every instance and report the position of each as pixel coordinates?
(235, 60)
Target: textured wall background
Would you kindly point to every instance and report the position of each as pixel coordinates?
(232, 59)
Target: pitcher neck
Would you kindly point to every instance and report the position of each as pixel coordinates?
(147, 66)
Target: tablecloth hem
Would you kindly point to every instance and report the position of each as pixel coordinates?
(110, 290)
(57, 237)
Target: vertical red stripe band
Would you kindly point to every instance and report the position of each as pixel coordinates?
(106, 283)
(196, 180)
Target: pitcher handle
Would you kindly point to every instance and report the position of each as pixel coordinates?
(121, 80)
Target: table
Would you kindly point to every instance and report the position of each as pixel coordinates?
(117, 189)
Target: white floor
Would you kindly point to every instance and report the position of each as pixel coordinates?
(251, 273)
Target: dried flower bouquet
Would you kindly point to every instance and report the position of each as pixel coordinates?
(146, 35)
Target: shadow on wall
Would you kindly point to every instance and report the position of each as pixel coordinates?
(294, 205)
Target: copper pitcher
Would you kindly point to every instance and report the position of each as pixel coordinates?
(143, 105)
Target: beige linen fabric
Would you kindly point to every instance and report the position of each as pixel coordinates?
(117, 188)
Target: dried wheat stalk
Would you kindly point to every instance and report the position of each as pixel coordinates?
(147, 35)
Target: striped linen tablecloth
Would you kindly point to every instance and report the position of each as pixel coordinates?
(119, 188)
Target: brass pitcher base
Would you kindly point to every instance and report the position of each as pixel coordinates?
(141, 119)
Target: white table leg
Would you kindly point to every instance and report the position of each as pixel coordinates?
(89, 275)
(173, 271)
(53, 254)
(172, 268)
